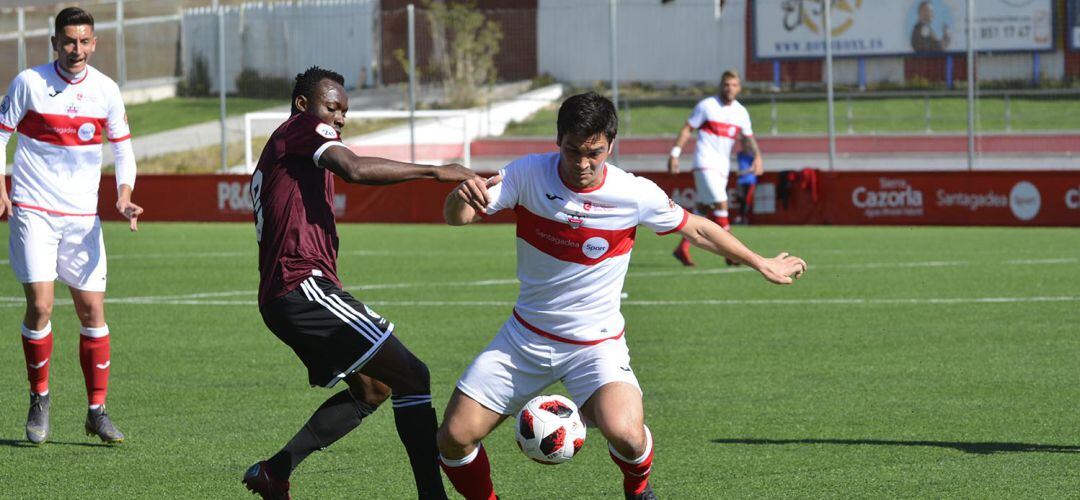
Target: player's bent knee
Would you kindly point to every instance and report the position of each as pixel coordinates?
(455, 439)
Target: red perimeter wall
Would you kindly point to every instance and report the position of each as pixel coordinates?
(1050, 198)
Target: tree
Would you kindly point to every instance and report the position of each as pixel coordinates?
(465, 44)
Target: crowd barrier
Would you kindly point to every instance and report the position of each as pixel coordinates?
(1015, 198)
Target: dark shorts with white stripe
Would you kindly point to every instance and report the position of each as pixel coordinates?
(330, 331)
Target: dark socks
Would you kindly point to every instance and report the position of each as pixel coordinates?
(333, 420)
(416, 426)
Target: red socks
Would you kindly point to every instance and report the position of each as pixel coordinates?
(684, 247)
(471, 476)
(720, 217)
(37, 347)
(94, 358)
(636, 471)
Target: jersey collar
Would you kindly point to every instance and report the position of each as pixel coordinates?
(63, 76)
(603, 179)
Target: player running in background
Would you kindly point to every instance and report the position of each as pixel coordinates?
(63, 112)
(720, 121)
(576, 221)
(746, 183)
(301, 298)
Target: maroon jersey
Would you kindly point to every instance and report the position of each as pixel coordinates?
(294, 207)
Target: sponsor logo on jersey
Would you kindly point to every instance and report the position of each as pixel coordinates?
(326, 131)
(553, 197)
(53, 92)
(595, 247)
(1024, 200)
(5, 105)
(86, 131)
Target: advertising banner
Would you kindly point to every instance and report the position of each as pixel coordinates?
(785, 29)
(1050, 198)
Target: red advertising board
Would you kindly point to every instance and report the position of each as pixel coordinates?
(1050, 198)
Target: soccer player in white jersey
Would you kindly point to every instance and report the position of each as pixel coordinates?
(720, 121)
(577, 217)
(63, 111)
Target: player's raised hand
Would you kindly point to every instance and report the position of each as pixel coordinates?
(474, 192)
(454, 172)
(130, 211)
(783, 269)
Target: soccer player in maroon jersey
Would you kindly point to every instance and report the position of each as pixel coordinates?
(300, 296)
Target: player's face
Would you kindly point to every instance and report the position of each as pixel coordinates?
(74, 45)
(581, 160)
(926, 13)
(729, 89)
(330, 104)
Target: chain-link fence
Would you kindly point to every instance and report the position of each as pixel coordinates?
(899, 73)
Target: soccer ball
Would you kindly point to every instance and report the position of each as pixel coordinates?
(549, 429)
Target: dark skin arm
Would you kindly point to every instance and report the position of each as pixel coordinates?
(380, 171)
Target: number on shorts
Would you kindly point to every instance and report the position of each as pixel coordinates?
(256, 190)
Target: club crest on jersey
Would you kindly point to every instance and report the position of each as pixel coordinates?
(574, 221)
(72, 110)
(86, 132)
(5, 105)
(326, 131)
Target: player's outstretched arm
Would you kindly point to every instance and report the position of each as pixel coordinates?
(467, 201)
(673, 159)
(703, 233)
(380, 171)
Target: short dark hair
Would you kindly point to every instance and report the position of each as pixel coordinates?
(586, 115)
(72, 16)
(309, 80)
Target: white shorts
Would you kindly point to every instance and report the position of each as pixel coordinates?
(711, 185)
(44, 247)
(518, 365)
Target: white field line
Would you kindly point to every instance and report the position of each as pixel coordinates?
(850, 301)
(211, 298)
(1040, 262)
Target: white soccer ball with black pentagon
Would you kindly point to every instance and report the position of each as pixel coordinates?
(549, 429)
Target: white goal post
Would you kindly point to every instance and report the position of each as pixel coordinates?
(438, 127)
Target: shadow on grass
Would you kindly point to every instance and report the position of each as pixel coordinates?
(22, 443)
(979, 448)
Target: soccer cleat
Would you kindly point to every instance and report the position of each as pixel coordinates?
(732, 262)
(258, 480)
(646, 494)
(683, 256)
(98, 424)
(37, 420)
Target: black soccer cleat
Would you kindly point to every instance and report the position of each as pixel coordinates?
(258, 480)
(37, 419)
(646, 494)
(98, 424)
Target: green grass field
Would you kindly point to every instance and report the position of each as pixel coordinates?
(868, 116)
(908, 362)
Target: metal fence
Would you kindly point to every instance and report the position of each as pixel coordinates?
(138, 40)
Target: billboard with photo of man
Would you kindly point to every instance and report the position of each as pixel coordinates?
(790, 29)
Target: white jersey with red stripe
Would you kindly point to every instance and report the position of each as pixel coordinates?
(573, 246)
(62, 124)
(718, 127)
